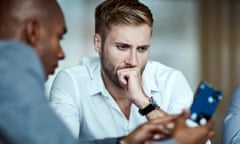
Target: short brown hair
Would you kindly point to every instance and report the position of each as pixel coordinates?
(117, 12)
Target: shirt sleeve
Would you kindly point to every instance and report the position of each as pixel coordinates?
(63, 99)
(231, 132)
(181, 95)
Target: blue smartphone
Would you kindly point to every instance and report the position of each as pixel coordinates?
(205, 102)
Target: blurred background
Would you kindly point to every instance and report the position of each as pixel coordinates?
(198, 37)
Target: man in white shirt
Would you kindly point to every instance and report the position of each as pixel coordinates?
(111, 95)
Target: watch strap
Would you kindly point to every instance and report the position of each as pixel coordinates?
(152, 106)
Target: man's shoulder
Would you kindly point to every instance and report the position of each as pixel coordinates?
(19, 56)
(20, 64)
(4, 43)
(15, 50)
(157, 67)
(15, 46)
(86, 67)
(157, 71)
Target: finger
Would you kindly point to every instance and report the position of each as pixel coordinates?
(181, 119)
(170, 126)
(210, 124)
(164, 120)
(161, 129)
(122, 77)
(211, 134)
(158, 137)
(155, 128)
(209, 127)
(168, 122)
(186, 113)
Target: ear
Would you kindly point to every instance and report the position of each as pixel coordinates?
(32, 33)
(97, 43)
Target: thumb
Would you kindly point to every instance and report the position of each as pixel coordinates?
(185, 114)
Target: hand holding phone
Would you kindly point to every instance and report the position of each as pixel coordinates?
(206, 100)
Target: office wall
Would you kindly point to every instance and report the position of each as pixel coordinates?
(220, 52)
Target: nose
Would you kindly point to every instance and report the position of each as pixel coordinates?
(61, 54)
(132, 59)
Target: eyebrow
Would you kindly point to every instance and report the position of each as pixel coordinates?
(144, 46)
(126, 44)
(123, 44)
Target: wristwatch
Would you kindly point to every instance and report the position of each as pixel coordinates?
(152, 106)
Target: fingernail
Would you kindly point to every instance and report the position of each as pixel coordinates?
(170, 125)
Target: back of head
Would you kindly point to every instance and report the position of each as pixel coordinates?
(14, 15)
(121, 12)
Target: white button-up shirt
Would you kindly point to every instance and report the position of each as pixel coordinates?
(80, 98)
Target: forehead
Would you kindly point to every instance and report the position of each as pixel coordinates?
(130, 33)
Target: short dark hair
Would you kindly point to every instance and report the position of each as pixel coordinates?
(120, 12)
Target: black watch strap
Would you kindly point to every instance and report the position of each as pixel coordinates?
(152, 106)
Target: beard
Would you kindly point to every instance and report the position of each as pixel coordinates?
(109, 70)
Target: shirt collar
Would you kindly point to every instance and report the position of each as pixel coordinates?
(98, 87)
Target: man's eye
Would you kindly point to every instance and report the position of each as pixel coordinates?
(142, 49)
(121, 47)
